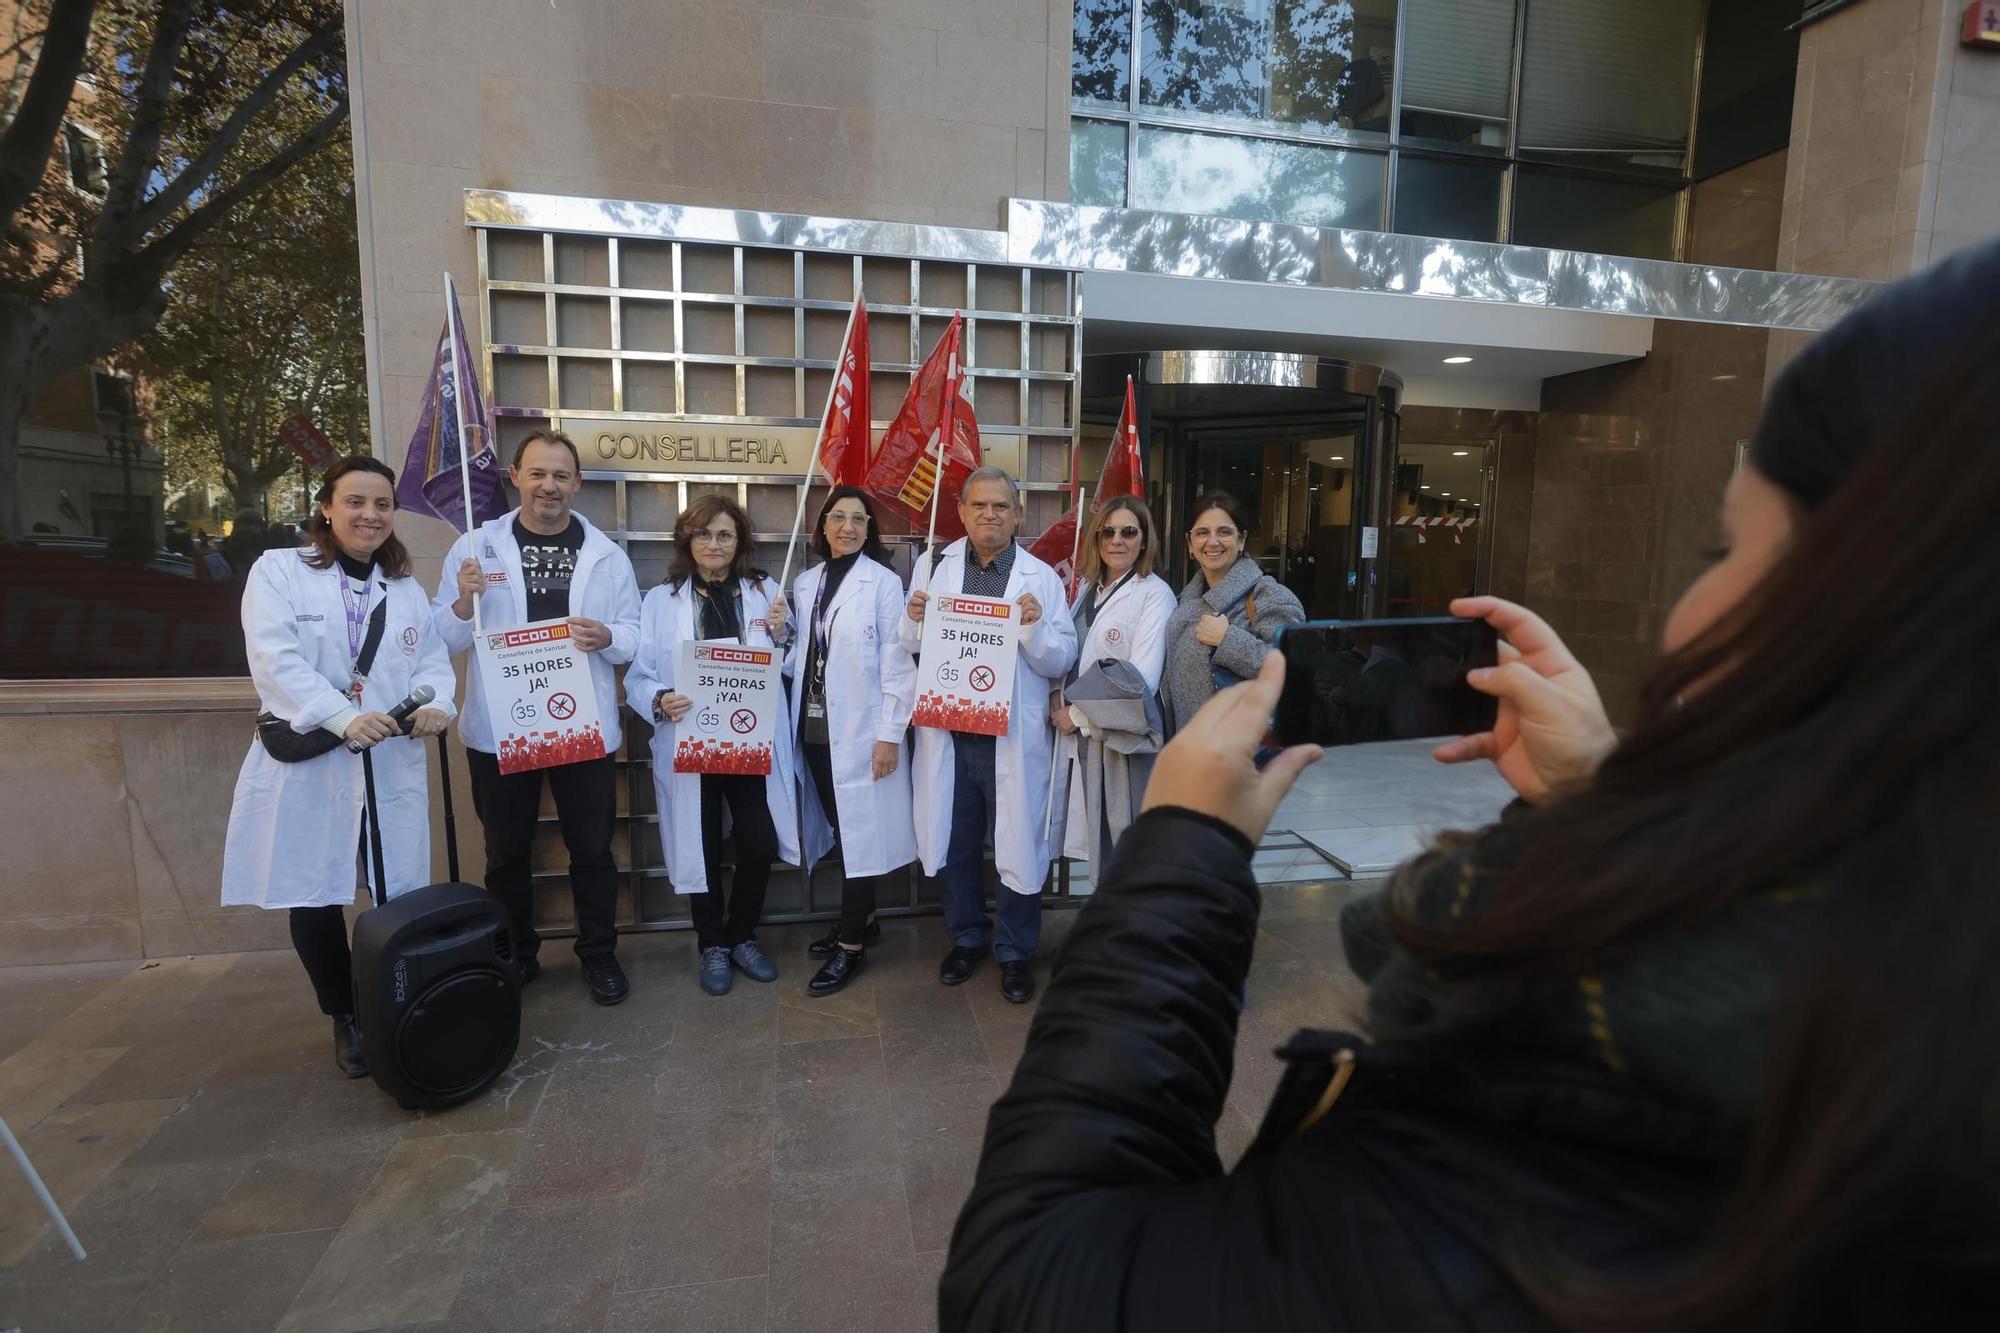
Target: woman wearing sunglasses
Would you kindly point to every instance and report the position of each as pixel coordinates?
(1106, 713)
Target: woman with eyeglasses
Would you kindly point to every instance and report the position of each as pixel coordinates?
(714, 592)
(1229, 613)
(851, 700)
(1121, 610)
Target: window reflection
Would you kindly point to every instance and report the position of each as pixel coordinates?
(1327, 64)
(1100, 52)
(1097, 163)
(1258, 178)
(1459, 201)
(1571, 212)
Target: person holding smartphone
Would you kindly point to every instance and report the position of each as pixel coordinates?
(850, 706)
(1697, 1036)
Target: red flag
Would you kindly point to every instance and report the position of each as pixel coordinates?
(905, 472)
(1123, 475)
(843, 449)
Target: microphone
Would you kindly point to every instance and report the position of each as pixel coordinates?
(400, 714)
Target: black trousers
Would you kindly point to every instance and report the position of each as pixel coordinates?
(857, 892)
(319, 934)
(586, 795)
(742, 795)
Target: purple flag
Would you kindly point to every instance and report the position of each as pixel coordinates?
(430, 481)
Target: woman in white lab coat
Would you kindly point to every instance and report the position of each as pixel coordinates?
(1120, 611)
(714, 592)
(295, 829)
(850, 708)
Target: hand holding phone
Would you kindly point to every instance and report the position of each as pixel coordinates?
(1351, 682)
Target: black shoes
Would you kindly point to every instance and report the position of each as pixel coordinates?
(828, 946)
(528, 969)
(843, 967)
(347, 1047)
(1017, 981)
(606, 979)
(958, 964)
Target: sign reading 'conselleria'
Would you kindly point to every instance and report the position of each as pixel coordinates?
(612, 445)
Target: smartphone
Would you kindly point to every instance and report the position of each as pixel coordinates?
(1349, 682)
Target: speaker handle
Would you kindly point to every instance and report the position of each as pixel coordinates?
(381, 893)
(450, 816)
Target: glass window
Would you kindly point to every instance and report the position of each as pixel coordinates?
(1458, 65)
(1459, 201)
(1570, 212)
(1258, 178)
(1100, 53)
(1097, 163)
(1326, 64)
(1611, 81)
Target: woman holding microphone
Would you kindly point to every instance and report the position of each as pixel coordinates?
(714, 592)
(1121, 612)
(337, 634)
(850, 707)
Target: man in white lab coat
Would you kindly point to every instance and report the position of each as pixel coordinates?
(542, 562)
(970, 787)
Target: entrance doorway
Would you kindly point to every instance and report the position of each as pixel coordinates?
(1310, 445)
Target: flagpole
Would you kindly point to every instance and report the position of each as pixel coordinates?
(453, 335)
(946, 420)
(812, 465)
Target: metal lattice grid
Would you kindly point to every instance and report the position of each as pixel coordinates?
(654, 328)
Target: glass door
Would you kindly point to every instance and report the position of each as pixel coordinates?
(1436, 532)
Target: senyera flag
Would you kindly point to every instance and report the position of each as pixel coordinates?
(905, 474)
(843, 448)
(430, 483)
(1123, 475)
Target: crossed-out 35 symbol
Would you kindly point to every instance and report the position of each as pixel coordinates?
(948, 674)
(981, 679)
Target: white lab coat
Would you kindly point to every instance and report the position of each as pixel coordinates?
(666, 618)
(294, 828)
(1021, 757)
(603, 588)
(869, 693)
(1132, 627)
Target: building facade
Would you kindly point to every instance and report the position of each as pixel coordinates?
(1458, 294)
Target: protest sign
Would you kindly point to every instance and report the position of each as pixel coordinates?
(539, 697)
(733, 722)
(965, 677)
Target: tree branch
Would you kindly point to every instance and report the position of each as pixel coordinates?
(161, 254)
(27, 143)
(141, 154)
(177, 191)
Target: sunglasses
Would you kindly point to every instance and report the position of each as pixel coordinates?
(1128, 533)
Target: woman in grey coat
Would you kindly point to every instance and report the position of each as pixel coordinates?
(1228, 614)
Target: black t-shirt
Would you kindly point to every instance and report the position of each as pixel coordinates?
(547, 565)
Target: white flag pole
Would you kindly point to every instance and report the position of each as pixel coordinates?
(812, 466)
(453, 335)
(953, 373)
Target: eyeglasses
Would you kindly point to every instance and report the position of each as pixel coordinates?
(839, 520)
(1128, 532)
(723, 537)
(1222, 534)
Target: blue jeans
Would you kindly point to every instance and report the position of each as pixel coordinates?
(962, 882)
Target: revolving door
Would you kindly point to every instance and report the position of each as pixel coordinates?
(1307, 443)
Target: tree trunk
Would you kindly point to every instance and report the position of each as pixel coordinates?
(13, 407)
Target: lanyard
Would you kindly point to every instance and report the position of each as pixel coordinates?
(1094, 606)
(816, 670)
(356, 611)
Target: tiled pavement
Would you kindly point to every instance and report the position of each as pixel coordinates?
(762, 1160)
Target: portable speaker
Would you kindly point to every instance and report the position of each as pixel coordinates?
(435, 994)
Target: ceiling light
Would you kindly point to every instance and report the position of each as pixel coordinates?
(1456, 360)
(1445, 494)
(1335, 458)
(1424, 486)
(1460, 453)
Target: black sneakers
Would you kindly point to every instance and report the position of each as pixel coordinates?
(347, 1047)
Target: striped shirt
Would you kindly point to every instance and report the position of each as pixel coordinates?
(987, 580)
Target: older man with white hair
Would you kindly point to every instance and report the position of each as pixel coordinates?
(967, 786)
